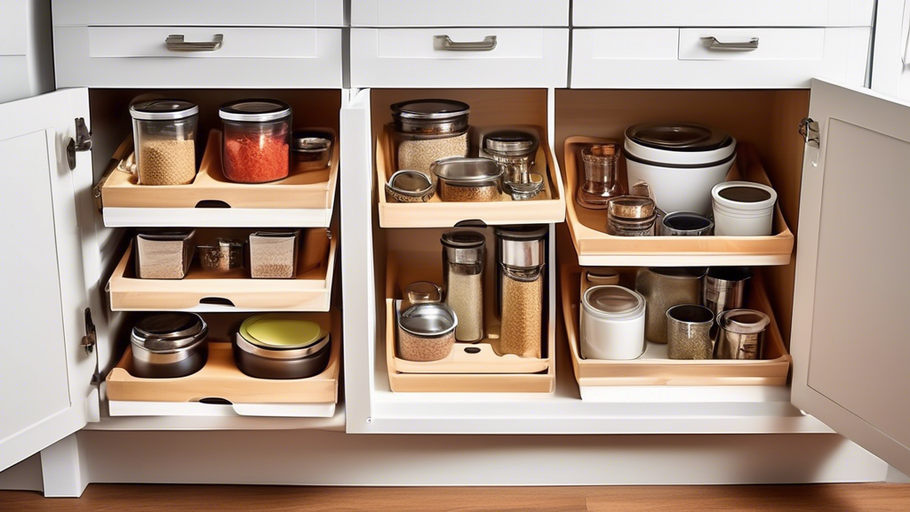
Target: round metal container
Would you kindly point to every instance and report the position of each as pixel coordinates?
(426, 332)
(664, 288)
(464, 179)
(407, 186)
(168, 345)
(741, 334)
(725, 288)
(612, 323)
(431, 116)
(686, 224)
(273, 346)
(690, 332)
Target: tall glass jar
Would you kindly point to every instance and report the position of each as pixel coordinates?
(601, 182)
(522, 258)
(429, 130)
(164, 141)
(463, 258)
(255, 146)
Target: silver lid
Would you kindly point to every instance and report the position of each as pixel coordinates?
(254, 111)
(464, 247)
(310, 141)
(428, 320)
(466, 172)
(613, 301)
(168, 332)
(430, 109)
(510, 142)
(522, 246)
(410, 182)
(163, 110)
(744, 321)
(677, 136)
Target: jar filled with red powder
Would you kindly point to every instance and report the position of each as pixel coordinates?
(255, 143)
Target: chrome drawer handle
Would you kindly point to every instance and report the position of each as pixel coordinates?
(176, 43)
(445, 43)
(736, 46)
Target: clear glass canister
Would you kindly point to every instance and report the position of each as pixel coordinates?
(429, 130)
(631, 216)
(463, 257)
(521, 254)
(164, 141)
(601, 182)
(514, 151)
(256, 140)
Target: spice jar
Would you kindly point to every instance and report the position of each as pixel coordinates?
(690, 332)
(222, 255)
(429, 130)
(463, 179)
(725, 288)
(168, 345)
(164, 254)
(164, 141)
(601, 182)
(310, 150)
(273, 254)
(255, 142)
(514, 152)
(521, 252)
(741, 334)
(685, 224)
(463, 257)
(631, 216)
(280, 346)
(426, 332)
(664, 288)
(612, 323)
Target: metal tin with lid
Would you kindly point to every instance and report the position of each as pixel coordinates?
(463, 179)
(631, 216)
(407, 186)
(741, 334)
(276, 346)
(431, 116)
(310, 150)
(514, 151)
(686, 224)
(166, 345)
(426, 331)
(612, 323)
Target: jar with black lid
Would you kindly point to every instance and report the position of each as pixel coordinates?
(167, 345)
(428, 130)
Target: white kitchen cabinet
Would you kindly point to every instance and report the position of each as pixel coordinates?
(891, 58)
(465, 13)
(26, 54)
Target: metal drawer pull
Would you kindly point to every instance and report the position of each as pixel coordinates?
(176, 43)
(739, 46)
(445, 43)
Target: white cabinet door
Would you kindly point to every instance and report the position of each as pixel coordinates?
(891, 59)
(45, 373)
(850, 343)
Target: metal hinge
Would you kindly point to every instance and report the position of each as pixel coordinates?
(808, 128)
(82, 142)
(90, 339)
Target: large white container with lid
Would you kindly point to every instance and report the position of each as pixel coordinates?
(612, 323)
(743, 208)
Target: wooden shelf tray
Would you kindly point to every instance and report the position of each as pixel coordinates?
(206, 291)
(548, 207)
(301, 200)
(654, 368)
(595, 247)
(220, 382)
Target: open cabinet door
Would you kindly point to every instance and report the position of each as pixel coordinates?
(850, 341)
(45, 372)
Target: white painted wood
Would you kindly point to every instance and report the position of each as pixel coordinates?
(45, 374)
(222, 420)
(13, 27)
(115, 217)
(62, 472)
(130, 408)
(523, 57)
(848, 342)
(298, 13)
(672, 58)
(26, 57)
(722, 13)
(464, 13)
(891, 58)
(249, 57)
(685, 394)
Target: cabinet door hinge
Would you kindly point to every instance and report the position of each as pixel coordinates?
(808, 128)
(90, 339)
(82, 142)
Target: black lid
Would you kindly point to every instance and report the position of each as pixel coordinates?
(427, 109)
(254, 110)
(509, 140)
(162, 110)
(463, 239)
(522, 233)
(168, 331)
(677, 136)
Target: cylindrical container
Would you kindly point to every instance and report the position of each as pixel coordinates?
(741, 334)
(690, 332)
(685, 224)
(421, 292)
(310, 150)
(222, 255)
(256, 140)
(164, 141)
(743, 208)
(168, 345)
(725, 288)
(426, 332)
(429, 130)
(410, 187)
(681, 162)
(462, 179)
(631, 216)
(664, 288)
(273, 254)
(514, 151)
(601, 182)
(612, 323)
(463, 257)
(521, 252)
(164, 253)
(272, 346)
(598, 276)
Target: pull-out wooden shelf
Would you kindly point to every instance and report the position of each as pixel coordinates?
(596, 248)
(206, 291)
(547, 208)
(302, 199)
(221, 389)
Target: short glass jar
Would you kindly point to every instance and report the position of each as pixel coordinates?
(601, 182)
(164, 141)
(514, 152)
(310, 150)
(631, 216)
(429, 130)
(256, 140)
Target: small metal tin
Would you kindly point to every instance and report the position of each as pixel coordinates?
(631, 207)
(690, 332)
(408, 186)
(426, 331)
(741, 334)
(271, 346)
(464, 179)
(725, 288)
(431, 116)
(686, 224)
(168, 345)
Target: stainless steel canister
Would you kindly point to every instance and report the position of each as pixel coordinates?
(725, 288)
(741, 334)
(521, 252)
(463, 259)
(514, 151)
(426, 331)
(690, 332)
(265, 358)
(167, 345)
(664, 288)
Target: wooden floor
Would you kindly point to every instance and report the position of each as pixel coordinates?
(172, 498)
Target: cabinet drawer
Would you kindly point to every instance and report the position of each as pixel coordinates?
(247, 57)
(712, 58)
(299, 13)
(467, 13)
(724, 13)
(476, 57)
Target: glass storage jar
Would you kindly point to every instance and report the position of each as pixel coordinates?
(164, 141)
(429, 130)
(256, 140)
(601, 182)
(463, 258)
(514, 152)
(522, 258)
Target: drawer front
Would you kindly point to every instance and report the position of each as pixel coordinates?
(476, 57)
(247, 57)
(729, 13)
(671, 58)
(299, 13)
(464, 13)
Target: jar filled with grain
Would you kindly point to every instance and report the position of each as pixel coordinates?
(463, 256)
(273, 254)
(467, 180)
(429, 130)
(521, 252)
(164, 141)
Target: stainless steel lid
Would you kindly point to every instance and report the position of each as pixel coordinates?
(163, 110)
(168, 332)
(743, 321)
(613, 301)
(522, 246)
(631, 207)
(510, 142)
(310, 141)
(464, 247)
(410, 183)
(677, 136)
(466, 171)
(254, 111)
(430, 109)
(428, 320)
